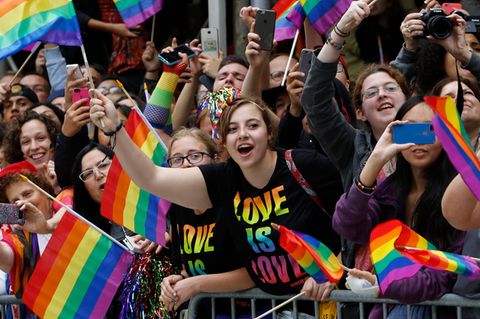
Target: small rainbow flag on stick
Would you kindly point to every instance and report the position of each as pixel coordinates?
(284, 28)
(398, 252)
(123, 201)
(134, 12)
(315, 258)
(24, 22)
(78, 274)
(449, 129)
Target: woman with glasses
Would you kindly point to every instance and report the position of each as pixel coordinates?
(201, 243)
(412, 194)
(379, 92)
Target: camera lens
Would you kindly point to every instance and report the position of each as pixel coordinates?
(439, 27)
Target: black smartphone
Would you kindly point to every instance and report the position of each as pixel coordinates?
(11, 214)
(473, 24)
(305, 62)
(417, 133)
(265, 28)
(172, 58)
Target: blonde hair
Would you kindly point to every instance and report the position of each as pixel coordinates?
(197, 134)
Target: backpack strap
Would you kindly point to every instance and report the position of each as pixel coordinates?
(302, 181)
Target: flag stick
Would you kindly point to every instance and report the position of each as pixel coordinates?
(34, 49)
(74, 213)
(153, 28)
(372, 3)
(290, 57)
(120, 85)
(89, 73)
(281, 305)
(405, 248)
(145, 90)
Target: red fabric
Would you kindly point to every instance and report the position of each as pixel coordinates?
(18, 168)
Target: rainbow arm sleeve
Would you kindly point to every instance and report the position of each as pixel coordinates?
(157, 110)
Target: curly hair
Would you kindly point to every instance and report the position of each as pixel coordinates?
(11, 142)
(37, 178)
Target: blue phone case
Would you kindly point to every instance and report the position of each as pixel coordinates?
(417, 133)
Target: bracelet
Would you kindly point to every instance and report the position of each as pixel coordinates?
(364, 188)
(334, 44)
(339, 32)
(112, 133)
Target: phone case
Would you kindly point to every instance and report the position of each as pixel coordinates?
(265, 28)
(172, 58)
(209, 38)
(305, 62)
(10, 214)
(80, 93)
(78, 73)
(417, 133)
(450, 7)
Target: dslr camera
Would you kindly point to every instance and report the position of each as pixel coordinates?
(437, 24)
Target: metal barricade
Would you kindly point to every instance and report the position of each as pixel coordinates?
(7, 300)
(339, 296)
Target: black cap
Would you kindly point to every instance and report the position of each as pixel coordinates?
(22, 90)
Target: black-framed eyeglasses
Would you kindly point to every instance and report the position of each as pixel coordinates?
(101, 168)
(192, 158)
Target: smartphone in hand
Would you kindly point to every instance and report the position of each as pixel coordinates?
(77, 74)
(81, 93)
(172, 58)
(209, 37)
(417, 133)
(11, 214)
(265, 28)
(305, 62)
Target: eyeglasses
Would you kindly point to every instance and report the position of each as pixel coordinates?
(101, 168)
(277, 75)
(110, 90)
(374, 91)
(192, 158)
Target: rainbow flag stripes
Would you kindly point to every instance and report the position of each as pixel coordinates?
(78, 273)
(449, 129)
(398, 252)
(322, 14)
(25, 21)
(123, 201)
(284, 28)
(315, 258)
(134, 12)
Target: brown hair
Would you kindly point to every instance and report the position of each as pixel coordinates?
(437, 89)
(36, 178)
(375, 68)
(197, 134)
(263, 108)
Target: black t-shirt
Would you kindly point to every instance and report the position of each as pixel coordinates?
(282, 201)
(201, 243)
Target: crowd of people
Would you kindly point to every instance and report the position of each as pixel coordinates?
(244, 151)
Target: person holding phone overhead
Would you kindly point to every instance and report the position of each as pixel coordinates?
(412, 194)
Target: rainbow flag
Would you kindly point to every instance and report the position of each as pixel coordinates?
(284, 28)
(398, 252)
(25, 21)
(449, 129)
(78, 274)
(322, 14)
(315, 258)
(134, 12)
(123, 201)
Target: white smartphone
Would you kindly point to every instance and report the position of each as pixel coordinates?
(209, 38)
(77, 75)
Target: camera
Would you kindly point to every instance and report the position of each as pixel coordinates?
(437, 24)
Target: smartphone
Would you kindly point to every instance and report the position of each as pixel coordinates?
(209, 38)
(77, 75)
(473, 24)
(172, 58)
(449, 7)
(305, 62)
(265, 28)
(11, 214)
(417, 133)
(81, 93)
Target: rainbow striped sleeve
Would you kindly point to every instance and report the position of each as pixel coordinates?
(134, 12)
(158, 108)
(78, 274)
(23, 22)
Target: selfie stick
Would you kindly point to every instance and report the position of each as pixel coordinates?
(34, 49)
(290, 57)
(90, 78)
(74, 213)
(281, 305)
